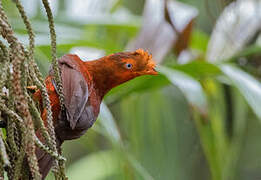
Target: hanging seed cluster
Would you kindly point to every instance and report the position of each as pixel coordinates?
(18, 112)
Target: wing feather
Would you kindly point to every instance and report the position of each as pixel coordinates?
(75, 90)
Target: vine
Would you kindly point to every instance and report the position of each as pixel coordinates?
(19, 114)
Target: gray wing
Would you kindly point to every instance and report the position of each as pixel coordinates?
(75, 89)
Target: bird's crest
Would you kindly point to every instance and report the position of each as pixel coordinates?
(146, 56)
(142, 57)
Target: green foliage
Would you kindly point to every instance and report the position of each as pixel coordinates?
(190, 122)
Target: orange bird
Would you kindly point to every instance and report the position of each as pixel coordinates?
(84, 86)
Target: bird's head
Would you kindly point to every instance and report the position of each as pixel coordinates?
(128, 65)
(133, 64)
(120, 67)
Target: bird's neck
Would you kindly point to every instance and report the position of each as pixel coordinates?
(103, 75)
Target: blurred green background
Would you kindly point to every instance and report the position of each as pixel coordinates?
(198, 120)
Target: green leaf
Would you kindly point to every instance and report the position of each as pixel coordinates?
(139, 168)
(247, 52)
(199, 69)
(199, 40)
(108, 124)
(249, 87)
(99, 165)
(136, 85)
(189, 86)
(111, 132)
(116, 5)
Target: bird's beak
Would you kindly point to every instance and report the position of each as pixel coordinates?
(151, 68)
(151, 71)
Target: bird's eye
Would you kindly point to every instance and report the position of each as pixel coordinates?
(128, 65)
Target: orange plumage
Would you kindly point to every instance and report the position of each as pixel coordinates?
(84, 86)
